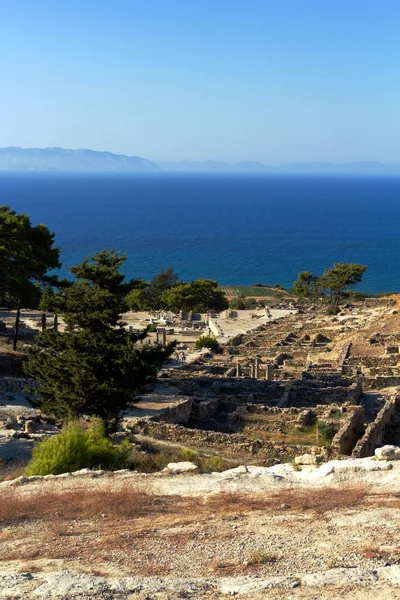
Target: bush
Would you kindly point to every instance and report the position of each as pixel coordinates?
(207, 341)
(213, 463)
(187, 455)
(251, 304)
(327, 431)
(151, 457)
(75, 448)
(238, 303)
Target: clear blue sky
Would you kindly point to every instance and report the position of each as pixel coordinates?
(268, 80)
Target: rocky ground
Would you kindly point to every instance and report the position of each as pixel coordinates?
(274, 533)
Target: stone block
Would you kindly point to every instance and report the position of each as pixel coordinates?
(388, 453)
(309, 459)
(181, 467)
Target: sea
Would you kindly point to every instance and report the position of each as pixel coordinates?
(240, 229)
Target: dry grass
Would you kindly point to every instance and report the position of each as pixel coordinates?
(388, 555)
(319, 501)
(261, 558)
(109, 526)
(9, 471)
(79, 503)
(129, 503)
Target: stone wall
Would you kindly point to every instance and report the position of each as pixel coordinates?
(315, 392)
(381, 382)
(231, 442)
(349, 434)
(10, 364)
(12, 385)
(375, 431)
(177, 413)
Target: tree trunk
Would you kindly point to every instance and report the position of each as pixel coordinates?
(17, 326)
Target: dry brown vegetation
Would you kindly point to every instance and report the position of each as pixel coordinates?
(128, 503)
(9, 471)
(389, 555)
(116, 529)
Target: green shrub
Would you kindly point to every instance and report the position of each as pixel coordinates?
(213, 464)
(152, 457)
(251, 304)
(187, 455)
(238, 303)
(78, 447)
(207, 341)
(327, 431)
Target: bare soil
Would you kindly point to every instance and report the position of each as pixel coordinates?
(120, 532)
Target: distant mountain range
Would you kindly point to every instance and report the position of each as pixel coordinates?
(59, 159)
(211, 166)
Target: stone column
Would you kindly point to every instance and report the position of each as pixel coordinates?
(238, 370)
(269, 372)
(257, 368)
(252, 371)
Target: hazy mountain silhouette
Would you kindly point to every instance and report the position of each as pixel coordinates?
(306, 168)
(59, 159)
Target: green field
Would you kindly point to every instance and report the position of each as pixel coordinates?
(250, 290)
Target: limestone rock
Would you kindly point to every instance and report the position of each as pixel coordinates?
(340, 577)
(309, 459)
(181, 467)
(30, 426)
(388, 453)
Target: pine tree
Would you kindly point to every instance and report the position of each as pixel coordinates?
(26, 255)
(94, 366)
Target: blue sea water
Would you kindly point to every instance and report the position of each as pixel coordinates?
(238, 229)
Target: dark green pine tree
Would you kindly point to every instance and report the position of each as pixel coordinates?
(96, 365)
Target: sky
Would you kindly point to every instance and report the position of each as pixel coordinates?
(274, 81)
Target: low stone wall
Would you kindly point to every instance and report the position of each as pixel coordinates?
(375, 431)
(231, 442)
(312, 393)
(177, 413)
(10, 364)
(379, 383)
(349, 434)
(344, 354)
(215, 328)
(12, 385)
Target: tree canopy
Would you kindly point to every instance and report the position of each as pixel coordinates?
(26, 255)
(334, 282)
(165, 291)
(96, 365)
(341, 277)
(307, 285)
(199, 295)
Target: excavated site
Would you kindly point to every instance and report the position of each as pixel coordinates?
(300, 412)
(306, 384)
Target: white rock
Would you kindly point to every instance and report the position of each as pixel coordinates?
(309, 459)
(340, 577)
(390, 574)
(251, 585)
(181, 467)
(388, 453)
